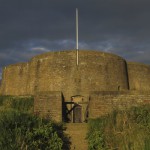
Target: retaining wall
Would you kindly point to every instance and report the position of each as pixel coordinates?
(103, 103)
(49, 105)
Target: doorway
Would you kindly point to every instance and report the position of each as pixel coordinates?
(77, 114)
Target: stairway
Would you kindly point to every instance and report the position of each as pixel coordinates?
(77, 133)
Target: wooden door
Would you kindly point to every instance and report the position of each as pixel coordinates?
(77, 114)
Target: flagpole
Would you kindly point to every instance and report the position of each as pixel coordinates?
(77, 48)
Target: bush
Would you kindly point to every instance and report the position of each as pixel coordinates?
(21, 131)
(96, 134)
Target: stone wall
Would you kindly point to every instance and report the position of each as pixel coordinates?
(15, 79)
(139, 76)
(49, 105)
(33, 75)
(57, 71)
(102, 103)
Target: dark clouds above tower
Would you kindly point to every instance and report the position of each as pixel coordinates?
(30, 27)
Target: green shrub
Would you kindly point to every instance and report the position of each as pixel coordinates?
(20, 131)
(96, 134)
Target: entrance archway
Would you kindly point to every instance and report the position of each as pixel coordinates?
(76, 109)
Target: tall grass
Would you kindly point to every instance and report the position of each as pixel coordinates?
(17, 103)
(121, 130)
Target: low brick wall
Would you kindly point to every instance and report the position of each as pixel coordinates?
(102, 103)
(49, 105)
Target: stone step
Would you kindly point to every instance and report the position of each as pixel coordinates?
(77, 133)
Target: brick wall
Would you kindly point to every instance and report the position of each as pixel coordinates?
(139, 76)
(15, 79)
(102, 103)
(57, 71)
(49, 105)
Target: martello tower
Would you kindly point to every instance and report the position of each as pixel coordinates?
(58, 74)
(57, 71)
(76, 85)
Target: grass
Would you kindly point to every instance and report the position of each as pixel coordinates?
(18, 103)
(121, 130)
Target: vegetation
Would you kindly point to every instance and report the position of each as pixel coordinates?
(21, 130)
(23, 104)
(121, 130)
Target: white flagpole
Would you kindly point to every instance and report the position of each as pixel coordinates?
(77, 36)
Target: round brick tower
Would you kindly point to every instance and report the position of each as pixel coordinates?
(58, 71)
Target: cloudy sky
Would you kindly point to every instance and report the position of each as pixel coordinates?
(30, 27)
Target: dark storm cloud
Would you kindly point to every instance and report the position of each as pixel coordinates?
(30, 27)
